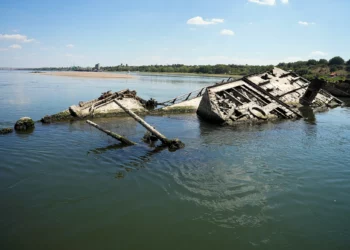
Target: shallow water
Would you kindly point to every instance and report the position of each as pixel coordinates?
(272, 186)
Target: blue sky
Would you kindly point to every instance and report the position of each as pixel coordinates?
(65, 33)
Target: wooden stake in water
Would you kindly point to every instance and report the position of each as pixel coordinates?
(120, 138)
(172, 144)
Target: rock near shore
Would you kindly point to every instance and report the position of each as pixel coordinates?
(24, 124)
(4, 131)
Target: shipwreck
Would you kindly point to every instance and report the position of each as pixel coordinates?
(276, 94)
(272, 95)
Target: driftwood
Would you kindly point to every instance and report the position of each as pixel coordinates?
(172, 144)
(112, 134)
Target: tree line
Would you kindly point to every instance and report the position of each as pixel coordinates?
(229, 69)
(308, 69)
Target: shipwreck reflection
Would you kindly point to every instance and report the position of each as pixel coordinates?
(308, 114)
(108, 148)
(138, 162)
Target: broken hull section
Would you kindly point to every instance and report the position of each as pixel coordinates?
(239, 102)
(104, 106)
(269, 96)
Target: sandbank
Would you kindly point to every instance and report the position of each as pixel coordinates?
(86, 74)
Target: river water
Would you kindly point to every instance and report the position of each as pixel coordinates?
(282, 185)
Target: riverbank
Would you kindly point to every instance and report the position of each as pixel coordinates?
(85, 74)
(188, 74)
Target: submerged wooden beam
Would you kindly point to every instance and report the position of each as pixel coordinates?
(120, 138)
(172, 144)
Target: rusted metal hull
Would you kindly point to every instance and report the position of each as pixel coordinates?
(272, 95)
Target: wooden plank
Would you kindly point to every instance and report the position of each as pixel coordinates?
(112, 134)
(172, 144)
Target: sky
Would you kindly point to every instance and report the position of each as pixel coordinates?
(35, 33)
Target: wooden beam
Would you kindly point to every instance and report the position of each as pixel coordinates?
(112, 134)
(173, 144)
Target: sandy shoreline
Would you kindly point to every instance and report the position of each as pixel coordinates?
(86, 74)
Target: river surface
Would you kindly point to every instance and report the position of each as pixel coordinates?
(282, 185)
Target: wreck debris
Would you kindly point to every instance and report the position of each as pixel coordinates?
(311, 92)
(102, 106)
(237, 102)
(172, 144)
(149, 137)
(340, 89)
(112, 134)
(181, 104)
(105, 104)
(289, 88)
(267, 96)
(4, 131)
(276, 94)
(24, 124)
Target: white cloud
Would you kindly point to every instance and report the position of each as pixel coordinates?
(68, 55)
(285, 1)
(3, 49)
(17, 37)
(200, 21)
(70, 46)
(318, 53)
(306, 23)
(217, 20)
(264, 2)
(226, 32)
(15, 46)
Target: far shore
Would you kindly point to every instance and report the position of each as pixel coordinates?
(86, 74)
(189, 74)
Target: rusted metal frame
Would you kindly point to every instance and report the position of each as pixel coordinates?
(84, 105)
(271, 96)
(172, 101)
(329, 94)
(218, 107)
(285, 75)
(240, 94)
(292, 91)
(265, 82)
(99, 102)
(200, 92)
(103, 104)
(255, 95)
(251, 91)
(232, 97)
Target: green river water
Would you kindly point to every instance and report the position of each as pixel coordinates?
(283, 185)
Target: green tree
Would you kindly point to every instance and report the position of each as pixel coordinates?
(348, 62)
(311, 62)
(336, 61)
(323, 62)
